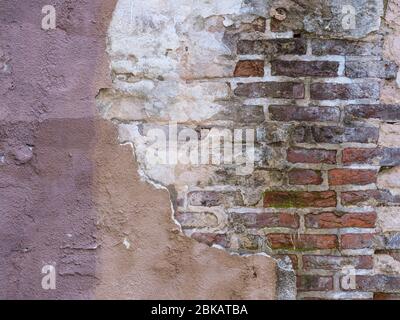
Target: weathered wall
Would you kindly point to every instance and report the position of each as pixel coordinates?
(324, 194)
(71, 195)
(323, 103)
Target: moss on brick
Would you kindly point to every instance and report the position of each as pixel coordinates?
(299, 199)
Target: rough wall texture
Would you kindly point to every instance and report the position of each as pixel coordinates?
(48, 81)
(323, 102)
(70, 194)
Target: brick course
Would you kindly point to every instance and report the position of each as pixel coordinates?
(340, 220)
(351, 176)
(288, 90)
(300, 155)
(305, 68)
(293, 113)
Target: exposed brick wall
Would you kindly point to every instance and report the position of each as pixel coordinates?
(324, 94)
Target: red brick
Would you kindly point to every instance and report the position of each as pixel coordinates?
(267, 219)
(357, 155)
(249, 68)
(341, 220)
(287, 90)
(304, 176)
(304, 68)
(357, 241)
(337, 262)
(302, 241)
(299, 199)
(299, 155)
(314, 283)
(339, 177)
(346, 91)
(295, 113)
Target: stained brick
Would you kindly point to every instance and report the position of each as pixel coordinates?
(213, 198)
(344, 47)
(249, 68)
(346, 91)
(337, 262)
(302, 241)
(273, 47)
(351, 176)
(334, 134)
(304, 176)
(369, 197)
(295, 113)
(263, 220)
(288, 90)
(314, 283)
(299, 199)
(304, 68)
(377, 156)
(358, 197)
(341, 220)
(371, 69)
(242, 115)
(300, 155)
(272, 132)
(386, 112)
(359, 155)
(380, 283)
(357, 241)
